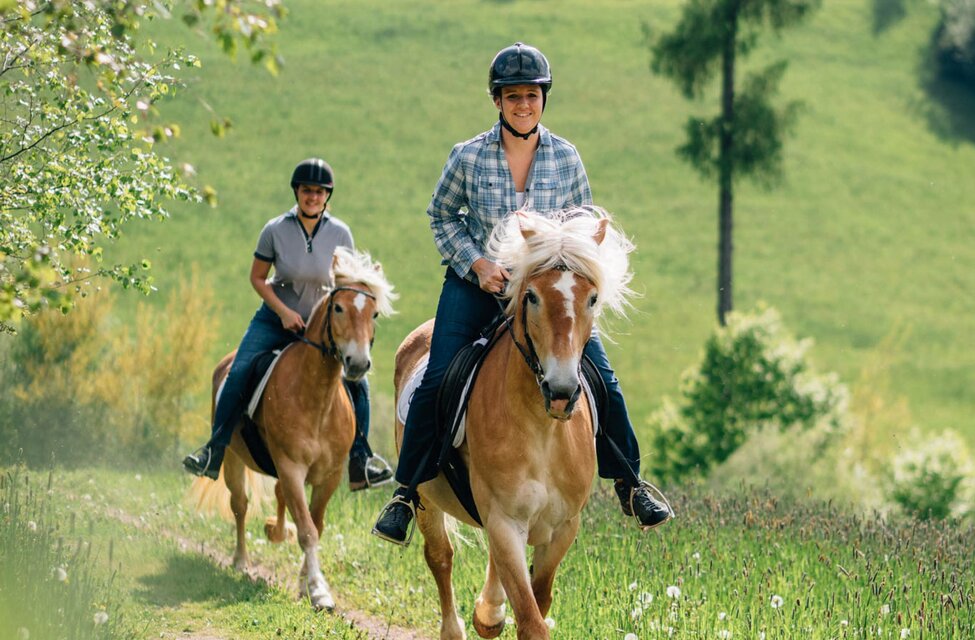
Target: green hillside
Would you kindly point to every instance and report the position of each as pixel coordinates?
(873, 230)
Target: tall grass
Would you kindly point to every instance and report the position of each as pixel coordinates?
(49, 588)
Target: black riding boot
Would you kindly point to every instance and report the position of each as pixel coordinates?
(205, 461)
(638, 501)
(366, 473)
(394, 523)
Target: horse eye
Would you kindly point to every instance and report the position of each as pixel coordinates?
(531, 297)
(592, 300)
(375, 314)
(339, 309)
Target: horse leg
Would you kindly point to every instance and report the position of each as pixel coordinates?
(233, 476)
(546, 560)
(489, 608)
(292, 484)
(507, 539)
(320, 495)
(439, 555)
(274, 526)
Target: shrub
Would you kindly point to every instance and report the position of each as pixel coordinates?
(927, 479)
(955, 39)
(81, 386)
(752, 375)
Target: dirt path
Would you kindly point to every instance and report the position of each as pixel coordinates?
(376, 628)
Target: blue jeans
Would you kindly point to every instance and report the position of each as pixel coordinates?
(265, 333)
(463, 311)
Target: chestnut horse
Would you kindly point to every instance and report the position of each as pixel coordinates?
(529, 448)
(305, 415)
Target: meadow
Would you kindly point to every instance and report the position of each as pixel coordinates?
(746, 566)
(869, 237)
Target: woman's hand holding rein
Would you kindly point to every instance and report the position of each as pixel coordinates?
(491, 276)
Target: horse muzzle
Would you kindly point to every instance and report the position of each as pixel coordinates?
(560, 401)
(355, 368)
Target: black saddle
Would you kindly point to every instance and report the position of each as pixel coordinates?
(249, 431)
(452, 398)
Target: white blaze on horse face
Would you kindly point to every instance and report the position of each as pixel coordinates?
(359, 302)
(564, 286)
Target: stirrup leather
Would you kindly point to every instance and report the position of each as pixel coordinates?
(656, 494)
(411, 529)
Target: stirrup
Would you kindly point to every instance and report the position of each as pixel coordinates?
(378, 464)
(411, 529)
(656, 494)
(198, 456)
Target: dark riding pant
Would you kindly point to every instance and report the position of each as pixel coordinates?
(265, 333)
(463, 311)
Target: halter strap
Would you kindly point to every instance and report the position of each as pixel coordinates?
(330, 349)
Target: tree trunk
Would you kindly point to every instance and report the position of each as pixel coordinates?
(726, 167)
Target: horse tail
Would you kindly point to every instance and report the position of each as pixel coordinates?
(213, 497)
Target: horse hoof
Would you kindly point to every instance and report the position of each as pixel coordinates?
(323, 603)
(488, 631)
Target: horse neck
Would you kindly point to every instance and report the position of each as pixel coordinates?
(316, 368)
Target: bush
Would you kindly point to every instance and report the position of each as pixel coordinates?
(955, 39)
(81, 387)
(927, 479)
(752, 375)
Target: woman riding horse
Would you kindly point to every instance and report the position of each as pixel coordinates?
(517, 164)
(300, 245)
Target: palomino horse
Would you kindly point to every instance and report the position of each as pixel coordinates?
(305, 415)
(529, 449)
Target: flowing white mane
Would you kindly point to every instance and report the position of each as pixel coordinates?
(565, 237)
(350, 267)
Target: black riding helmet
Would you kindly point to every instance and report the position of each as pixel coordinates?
(313, 171)
(519, 64)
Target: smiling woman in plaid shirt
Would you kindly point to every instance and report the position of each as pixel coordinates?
(517, 164)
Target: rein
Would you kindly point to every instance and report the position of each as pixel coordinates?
(529, 354)
(330, 349)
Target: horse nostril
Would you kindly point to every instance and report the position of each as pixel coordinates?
(348, 360)
(368, 365)
(546, 389)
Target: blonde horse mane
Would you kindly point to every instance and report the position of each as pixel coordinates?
(350, 266)
(565, 237)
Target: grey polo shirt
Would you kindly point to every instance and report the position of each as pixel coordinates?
(302, 262)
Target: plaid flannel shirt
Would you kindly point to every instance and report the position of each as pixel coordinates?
(476, 192)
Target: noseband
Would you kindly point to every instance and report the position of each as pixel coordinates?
(330, 349)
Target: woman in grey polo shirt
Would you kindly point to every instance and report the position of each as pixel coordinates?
(299, 245)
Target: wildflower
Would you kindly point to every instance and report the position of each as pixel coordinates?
(884, 610)
(722, 615)
(844, 623)
(630, 636)
(550, 623)
(636, 613)
(761, 635)
(724, 634)
(138, 476)
(509, 621)
(23, 633)
(905, 633)
(646, 598)
(696, 555)
(633, 586)
(673, 592)
(61, 574)
(776, 601)
(101, 617)
(32, 525)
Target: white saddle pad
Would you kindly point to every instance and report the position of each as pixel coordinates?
(259, 391)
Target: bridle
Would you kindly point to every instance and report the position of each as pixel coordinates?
(330, 350)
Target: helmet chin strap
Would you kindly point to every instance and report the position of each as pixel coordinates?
(512, 131)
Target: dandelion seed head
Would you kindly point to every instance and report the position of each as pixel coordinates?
(550, 623)
(905, 633)
(631, 636)
(696, 555)
(844, 623)
(509, 621)
(632, 586)
(722, 615)
(724, 634)
(32, 525)
(646, 598)
(673, 591)
(884, 610)
(636, 613)
(776, 601)
(23, 634)
(61, 574)
(101, 617)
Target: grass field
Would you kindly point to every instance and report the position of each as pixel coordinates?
(872, 231)
(746, 565)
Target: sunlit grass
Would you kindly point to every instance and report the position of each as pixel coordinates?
(741, 565)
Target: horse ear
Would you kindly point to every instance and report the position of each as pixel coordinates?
(600, 234)
(522, 219)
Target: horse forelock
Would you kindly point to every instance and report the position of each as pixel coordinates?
(531, 243)
(352, 268)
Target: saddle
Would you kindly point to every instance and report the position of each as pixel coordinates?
(452, 398)
(249, 431)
